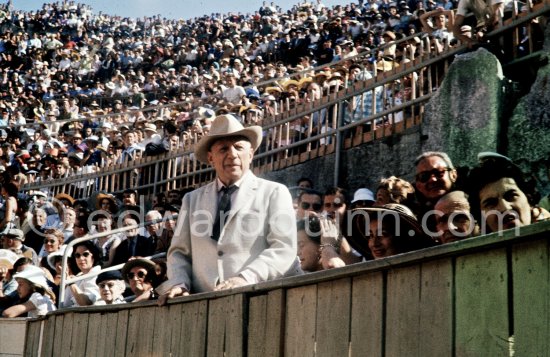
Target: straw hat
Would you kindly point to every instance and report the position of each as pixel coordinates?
(64, 196)
(225, 126)
(7, 258)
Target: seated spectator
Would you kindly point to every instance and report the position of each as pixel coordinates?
(165, 239)
(107, 244)
(395, 190)
(454, 220)
(8, 285)
(309, 244)
(498, 195)
(380, 232)
(36, 298)
(111, 286)
(13, 239)
(134, 245)
(309, 201)
(106, 202)
(85, 259)
(435, 177)
(363, 197)
(140, 274)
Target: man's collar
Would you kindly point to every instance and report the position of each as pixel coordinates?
(220, 184)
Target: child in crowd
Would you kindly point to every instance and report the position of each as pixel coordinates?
(36, 298)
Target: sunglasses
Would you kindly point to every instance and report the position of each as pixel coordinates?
(85, 255)
(140, 274)
(109, 285)
(307, 205)
(49, 241)
(425, 176)
(333, 204)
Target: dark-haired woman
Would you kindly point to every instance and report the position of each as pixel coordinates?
(9, 193)
(85, 259)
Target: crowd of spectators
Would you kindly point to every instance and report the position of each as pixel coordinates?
(105, 89)
(81, 91)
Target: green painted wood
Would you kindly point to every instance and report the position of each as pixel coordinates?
(333, 318)
(367, 315)
(403, 311)
(482, 304)
(194, 318)
(301, 312)
(436, 309)
(121, 333)
(257, 325)
(531, 299)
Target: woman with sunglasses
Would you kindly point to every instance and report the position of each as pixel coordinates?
(141, 275)
(53, 240)
(85, 259)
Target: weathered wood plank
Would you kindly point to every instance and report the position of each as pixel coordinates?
(234, 334)
(133, 327)
(108, 334)
(403, 311)
(49, 336)
(274, 339)
(66, 335)
(144, 346)
(58, 338)
(531, 297)
(121, 333)
(225, 326)
(367, 315)
(333, 318)
(175, 322)
(436, 308)
(301, 311)
(94, 339)
(194, 317)
(32, 338)
(482, 304)
(161, 332)
(79, 332)
(257, 325)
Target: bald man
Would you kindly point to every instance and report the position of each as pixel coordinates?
(454, 220)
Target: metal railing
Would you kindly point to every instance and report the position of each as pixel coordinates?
(369, 109)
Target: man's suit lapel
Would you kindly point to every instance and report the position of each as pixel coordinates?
(245, 195)
(209, 201)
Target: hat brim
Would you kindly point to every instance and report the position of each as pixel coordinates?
(252, 133)
(139, 262)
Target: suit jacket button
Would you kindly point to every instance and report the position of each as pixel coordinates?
(220, 253)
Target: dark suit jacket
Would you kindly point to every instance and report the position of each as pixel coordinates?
(144, 248)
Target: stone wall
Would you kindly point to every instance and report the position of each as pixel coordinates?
(463, 118)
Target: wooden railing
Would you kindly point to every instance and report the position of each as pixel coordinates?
(485, 296)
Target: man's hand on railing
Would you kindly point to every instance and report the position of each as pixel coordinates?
(172, 293)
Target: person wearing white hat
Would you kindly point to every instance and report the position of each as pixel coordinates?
(248, 232)
(36, 297)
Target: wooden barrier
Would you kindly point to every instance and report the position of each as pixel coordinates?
(485, 296)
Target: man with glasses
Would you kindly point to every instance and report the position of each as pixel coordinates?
(435, 177)
(309, 201)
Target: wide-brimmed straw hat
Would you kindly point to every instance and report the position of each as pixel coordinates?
(410, 232)
(225, 126)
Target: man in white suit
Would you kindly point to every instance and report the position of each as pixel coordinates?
(254, 241)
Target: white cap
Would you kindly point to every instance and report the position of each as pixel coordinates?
(363, 194)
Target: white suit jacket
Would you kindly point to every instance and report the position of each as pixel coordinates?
(258, 241)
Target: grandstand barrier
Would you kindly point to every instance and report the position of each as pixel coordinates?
(484, 296)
